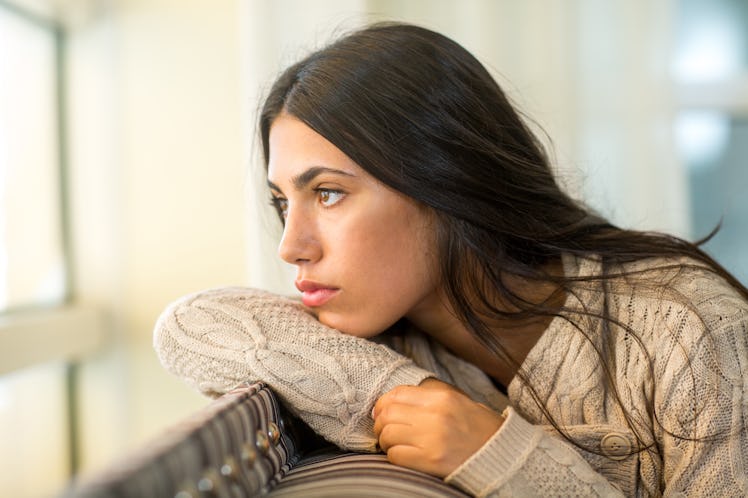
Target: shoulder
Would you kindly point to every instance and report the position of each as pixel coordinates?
(692, 323)
(646, 294)
(676, 289)
(667, 313)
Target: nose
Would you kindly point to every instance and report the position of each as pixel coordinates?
(299, 243)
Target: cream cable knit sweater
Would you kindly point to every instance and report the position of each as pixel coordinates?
(697, 384)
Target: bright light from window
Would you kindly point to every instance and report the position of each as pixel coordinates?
(31, 253)
(711, 54)
(710, 41)
(701, 137)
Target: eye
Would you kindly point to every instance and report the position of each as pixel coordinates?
(329, 197)
(281, 205)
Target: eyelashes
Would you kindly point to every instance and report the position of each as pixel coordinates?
(327, 198)
(281, 206)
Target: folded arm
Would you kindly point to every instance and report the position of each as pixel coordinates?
(219, 338)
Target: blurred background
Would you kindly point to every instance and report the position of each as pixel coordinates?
(129, 172)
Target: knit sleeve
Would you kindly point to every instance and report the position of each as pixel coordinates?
(219, 338)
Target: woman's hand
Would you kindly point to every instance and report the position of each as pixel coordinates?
(433, 427)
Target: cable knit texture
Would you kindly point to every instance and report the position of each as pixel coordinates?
(687, 359)
(220, 338)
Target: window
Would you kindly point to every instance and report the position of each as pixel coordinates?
(718, 182)
(32, 260)
(35, 400)
(711, 73)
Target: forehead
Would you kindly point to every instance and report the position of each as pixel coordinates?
(295, 147)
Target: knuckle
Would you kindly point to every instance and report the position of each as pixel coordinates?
(439, 457)
(452, 395)
(440, 454)
(395, 456)
(396, 392)
(384, 413)
(385, 436)
(442, 398)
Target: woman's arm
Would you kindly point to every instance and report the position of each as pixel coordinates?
(219, 338)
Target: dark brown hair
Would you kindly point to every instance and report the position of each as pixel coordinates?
(422, 115)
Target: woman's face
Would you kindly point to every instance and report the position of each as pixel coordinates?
(364, 253)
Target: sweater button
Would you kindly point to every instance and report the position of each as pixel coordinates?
(615, 446)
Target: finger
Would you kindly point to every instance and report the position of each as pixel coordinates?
(409, 456)
(408, 395)
(400, 394)
(394, 413)
(396, 435)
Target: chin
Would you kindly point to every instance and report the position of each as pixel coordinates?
(348, 325)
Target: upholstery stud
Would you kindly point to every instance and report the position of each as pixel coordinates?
(262, 442)
(229, 469)
(208, 484)
(249, 454)
(184, 493)
(274, 433)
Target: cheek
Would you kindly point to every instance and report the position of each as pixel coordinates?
(388, 271)
(380, 251)
(388, 258)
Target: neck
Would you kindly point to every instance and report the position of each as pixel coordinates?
(436, 317)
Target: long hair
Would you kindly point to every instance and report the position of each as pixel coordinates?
(422, 115)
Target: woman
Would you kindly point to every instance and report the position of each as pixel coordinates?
(422, 213)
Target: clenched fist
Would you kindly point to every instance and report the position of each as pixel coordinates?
(432, 427)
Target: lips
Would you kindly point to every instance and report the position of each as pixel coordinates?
(315, 294)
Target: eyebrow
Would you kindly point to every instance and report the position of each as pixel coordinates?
(302, 180)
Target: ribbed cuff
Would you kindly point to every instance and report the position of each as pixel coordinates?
(358, 434)
(407, 374)
(499, 458)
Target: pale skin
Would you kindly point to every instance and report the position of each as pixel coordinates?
(370, 249)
